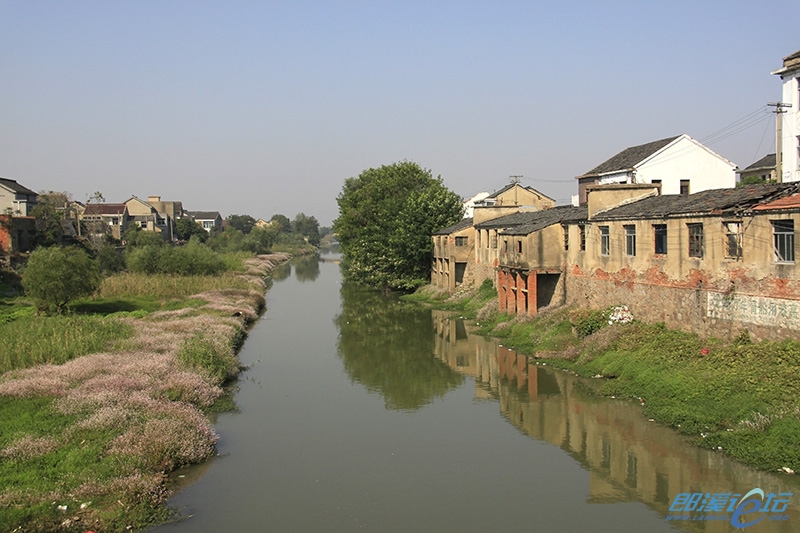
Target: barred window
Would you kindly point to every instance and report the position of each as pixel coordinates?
(630, 240)
(695, 240)
(733, 239)
(605, 240)
(582, 228)
(783, 239)
(660, 237)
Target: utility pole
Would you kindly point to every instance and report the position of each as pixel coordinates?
(515, 181)
(780, 109)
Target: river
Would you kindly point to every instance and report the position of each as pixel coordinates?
(360, 412)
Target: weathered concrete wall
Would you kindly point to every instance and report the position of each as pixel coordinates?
(769, 312)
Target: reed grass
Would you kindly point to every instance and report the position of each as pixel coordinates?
(167, 286)
(56, 339)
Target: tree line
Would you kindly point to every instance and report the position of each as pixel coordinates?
(72, 256)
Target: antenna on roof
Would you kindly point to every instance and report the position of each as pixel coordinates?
(515, 181)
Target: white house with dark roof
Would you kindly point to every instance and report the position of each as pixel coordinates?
(210, 220)
(15, 199)
(681, 165)
(790, 130)
(763, 169)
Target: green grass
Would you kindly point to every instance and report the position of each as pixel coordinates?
(79, 458)
(35, 340)
(741, 397)
(217, 360)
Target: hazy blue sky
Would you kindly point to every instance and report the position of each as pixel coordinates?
(267, 107)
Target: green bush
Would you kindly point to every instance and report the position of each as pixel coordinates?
(587, 322)
(55, 276)
(193, 259)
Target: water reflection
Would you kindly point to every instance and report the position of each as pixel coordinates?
(306, 267)
(629, 458)
(282, 271)
(379, 352)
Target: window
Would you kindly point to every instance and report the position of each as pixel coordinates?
(783, 239)
(695, 240)
(630, 240)
(519, 247)
(494, 240)
(684, 187)
(461, 241)
(566, 237)
(660, 236)
(505, 246)
(582, 229)
(605, 239)
(733, 239)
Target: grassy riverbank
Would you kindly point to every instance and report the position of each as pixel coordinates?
(99, 405)
(737, 397)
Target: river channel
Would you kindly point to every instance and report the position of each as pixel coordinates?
(359, 412)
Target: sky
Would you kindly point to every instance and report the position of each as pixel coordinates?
(265, 108)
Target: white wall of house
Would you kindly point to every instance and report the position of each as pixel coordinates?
(686, 159)
(791, 126)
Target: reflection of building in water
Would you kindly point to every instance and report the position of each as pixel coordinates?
(629, 458)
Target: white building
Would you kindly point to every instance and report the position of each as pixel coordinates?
(790, 134)
(680, 164)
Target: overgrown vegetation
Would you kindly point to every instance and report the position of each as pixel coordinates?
(86, 441)
(735, 396)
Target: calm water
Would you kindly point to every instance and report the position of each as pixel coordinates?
(362, 413)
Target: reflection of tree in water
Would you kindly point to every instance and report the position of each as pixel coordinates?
(387, 346)
(283, 271)
(306, 267)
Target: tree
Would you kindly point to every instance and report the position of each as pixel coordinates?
(386, 218)
(49, 212)
(281, 223)
(136, 236)
(55, 276)
(243, 223)
(306, 226)
(185, 228)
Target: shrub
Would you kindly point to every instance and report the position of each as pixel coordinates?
(194, 259)
(55, 276)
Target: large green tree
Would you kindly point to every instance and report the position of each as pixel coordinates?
(307, 226)
(386, 218)
(55, 276)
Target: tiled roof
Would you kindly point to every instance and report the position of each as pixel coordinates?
(464, 223)
(705, 202)
(628, 158)
(788, 202)
(204, 215)
(511, 185)
(16, 187)
(768, 161)
(539, 220)
(105, 209)
(520, 217)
